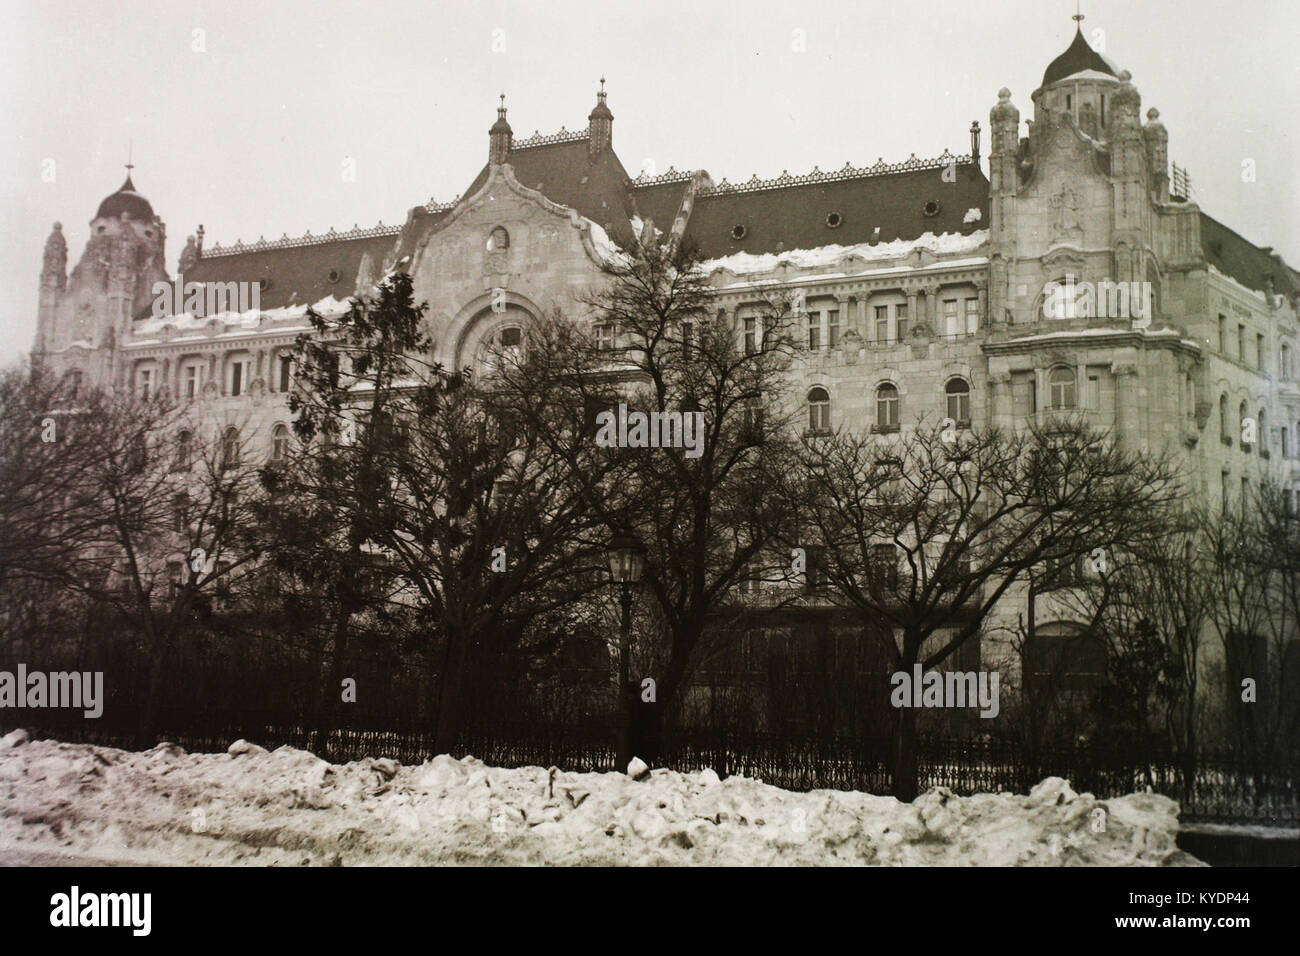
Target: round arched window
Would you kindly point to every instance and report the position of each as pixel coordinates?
(498, 239)
(819, 410)
(957, 394)
(887, 410)
(1061, 387)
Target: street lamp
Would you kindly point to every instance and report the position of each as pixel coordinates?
(626, 562)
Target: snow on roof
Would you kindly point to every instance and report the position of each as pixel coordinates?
(972, 215)
(745, 263)
(252, 319)
(1244, 289)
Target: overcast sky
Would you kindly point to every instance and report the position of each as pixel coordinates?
(248, 135)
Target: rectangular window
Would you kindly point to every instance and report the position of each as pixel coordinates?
(1223, 334)
(900, 322)
(832, 328)
(814, 330)
(814, 569)
(1224, 477)
(237, 378)
(144, 382)
(286, 372)
(972, 316)
(1259, 352)
(1094, 392)
(175, 578)
(884, 565)
(951, 326)
(751, 335)
(604, 336)
(882, 323)
(190, 381)
(688, 333)
(1241, 344)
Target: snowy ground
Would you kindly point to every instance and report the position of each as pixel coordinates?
(287, 808)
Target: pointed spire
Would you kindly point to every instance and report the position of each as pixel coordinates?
(500, 136)
(600, 125)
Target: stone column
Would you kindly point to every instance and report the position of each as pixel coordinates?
(932, 308)
(982, 291)
(1000, 402)
(842, 302)
(1126, 397)
(912, 317)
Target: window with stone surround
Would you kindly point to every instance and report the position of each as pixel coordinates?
(819, 410)
(280, 445)
(191, 379)
(887, 406)
(286, 372)
(1061, 387)
(239, 369)
(951, 319)
(144, 381)
(230, 447)
(957, 396)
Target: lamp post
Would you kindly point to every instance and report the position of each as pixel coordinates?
(626, 562)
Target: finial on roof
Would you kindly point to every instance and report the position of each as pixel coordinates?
(500, 136)
(600, 125)
(1078, 16)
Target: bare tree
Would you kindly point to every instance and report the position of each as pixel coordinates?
(706, 515)
(924, 533)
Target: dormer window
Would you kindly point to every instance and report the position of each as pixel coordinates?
(498, 239)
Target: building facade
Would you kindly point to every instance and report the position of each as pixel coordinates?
(930, 290)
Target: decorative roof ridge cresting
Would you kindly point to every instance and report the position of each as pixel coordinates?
(849, 171)
(307, 239)
(546, 139)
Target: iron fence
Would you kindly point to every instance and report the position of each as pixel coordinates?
(1222, 786)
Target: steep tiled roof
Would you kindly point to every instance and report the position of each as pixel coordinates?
(659, 197)
(793, 213)
(560, 168)
(298, 274)
(1243, 260)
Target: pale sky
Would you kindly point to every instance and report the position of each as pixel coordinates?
(248, 135)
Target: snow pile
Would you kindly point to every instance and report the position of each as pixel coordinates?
(949, 243)
(287, 807)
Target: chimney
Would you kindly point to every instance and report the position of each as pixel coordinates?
(975, 142)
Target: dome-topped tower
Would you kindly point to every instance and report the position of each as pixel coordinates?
(126, 200)
(1080, 84)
